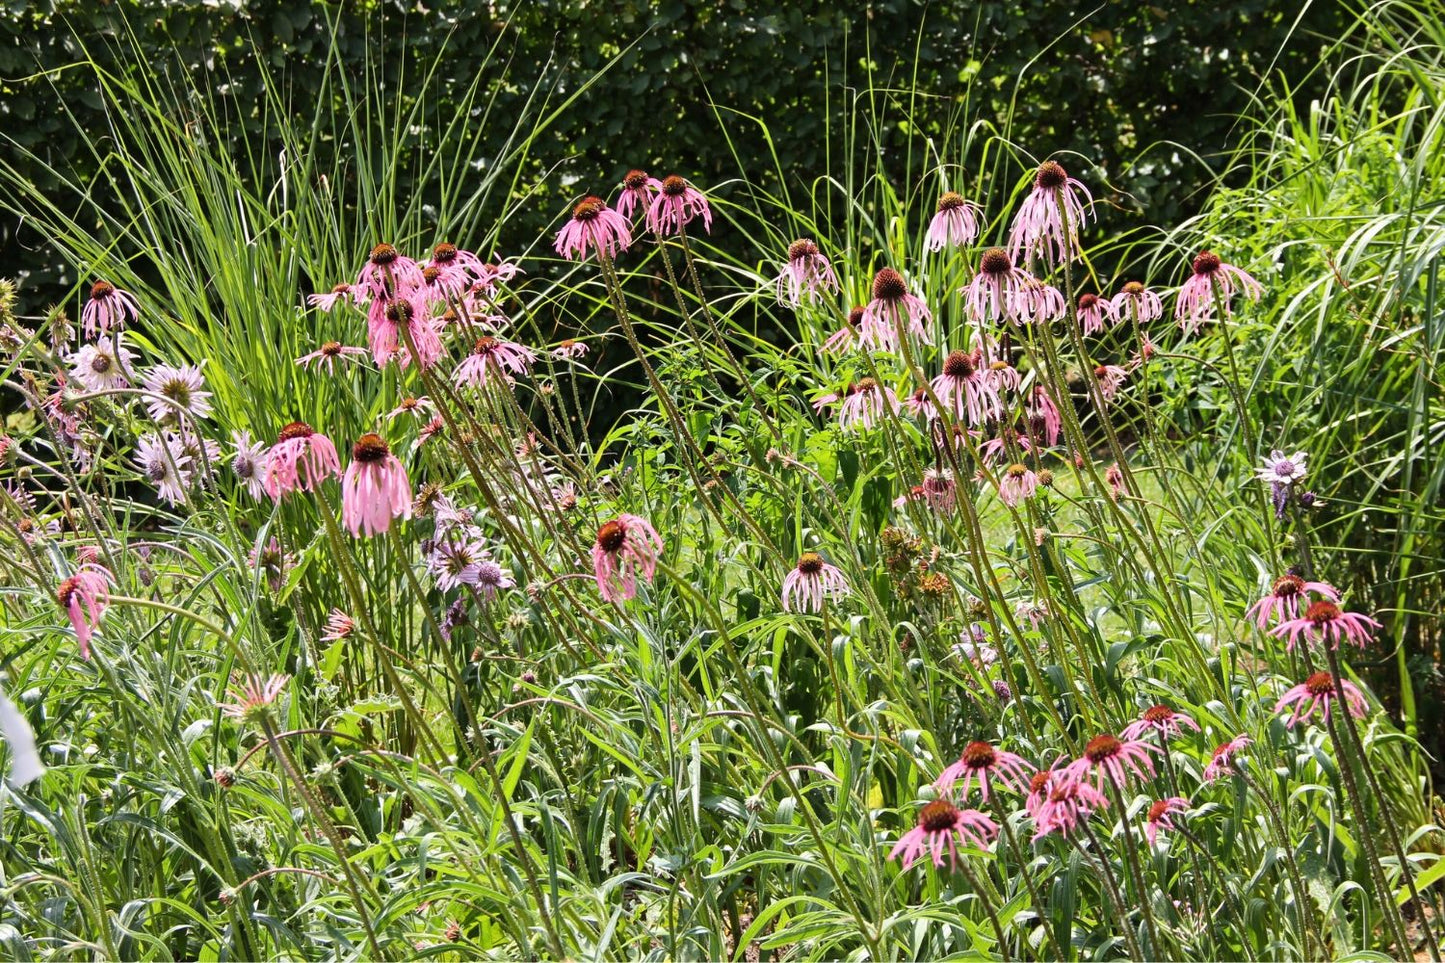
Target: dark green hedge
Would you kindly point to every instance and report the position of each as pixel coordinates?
(1127, 77)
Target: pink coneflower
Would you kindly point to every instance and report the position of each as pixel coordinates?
(328, 300)
(809, 584)
(389, 274)
(676, 204)
(997, 449)
(955, 223)
(939, 490)
(1038, 302)
(891, 306)
(300, 451)
(596, 226)
(844, 337)
(966, 389)
(865, 403)
(456, 560)
(1222, 762)
(101, 366)
(339, 626)
(1111, 378)
(164, 462)
(1039, 227)
(1195, 303)
(806, 275)
(375, 489)
(1145, 354)
(415, 407)
(1319, 691)
(384, 324)
(570, 349)
(430, 430)
(1133, 298)
(492, 578)
(1059, 801)
(328, 354)
(1094, 311)
(84, 597)
(452, 260)
(1017, 484)
(1325, 621)
(991, 295)
(442, 285)
(638, 189)
(1161, 719)
(183, 386)
(1044, 417)
(1282, 469)
(1004, 376)
(1114, 478)
(920, 405)
(1108, 756)
(943, 827)
(625, 546)
(491, 275)
(492, 357)
(1159, 816)
(108, 307)
(985, 762)
(254, 697)
(249, 463)
(1283, 601)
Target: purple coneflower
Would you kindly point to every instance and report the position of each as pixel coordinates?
(593, 226)
(430, 430)
(493, 357)
(328, 300)
(375, 488)
(339, 626)
(163, 460)
(1049, 220)
(990, 296)
(981, 760)
(625, 546)
(1324, 621)
(1136, 298)
(966, 389)
(955, 223)
(327, 355)
(1110, 757)
(844, 337)
(1114, 478)
(638, 189)
(249, 463)
(1017, 484)
(1159, 816)
(1162, 719)
(302, 458)
(806, 275)
(183, 386)
(254, 697)
(384, 324)
(1004, 376)
(675, 205)
(811, 582)
(569, 348)
(1044, 416)
(1283, 601)
(84, 597)
(1222, 762)
(939, 490)
(891, 305)
(101, 366)
(942, 828)
(1094, 311)
(865, 403)
(1195, 303)
(389, 274)
(1111, 378)
(1318, 691)
(108, 307)
(410, 405)
(1059, 801)
(271, 561)
(996, 449)
(920, 405)
(1038, 302)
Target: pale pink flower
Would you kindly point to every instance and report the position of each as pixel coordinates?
(966, 389)
(920, 405)
(1017, 484)
(442, 285)
(1146, 352)
(625, 546)
(302, 458)
(493, 357)
(806, 275)
(84, 597)
(1159, 816)
(108, 307)
(939, 490)
(1324, 621)
(163, 460)
(1282, 604)
(1222, 763)
(1044, 417)
(385, 322)
(955, 223)
(1111, 378)
(249, 463)
(812, 582)
(994, 290)
(1134, 298)
(638, 189)
(865, 404)
(981, 760)
(101, 366)
(997, 449)
(1060, 800)
(892, 305)
(1195, 303)
(942, 828)
(388, 274)
(327, 301)
(328, 354)
(593, 226)
(375, 488)
(844, 337)
(1114, 478)
(1094, 311)
(1037, 301)
(1282, 469)
(569, 348)
(430, 430)
(455, 263)
(1048, 222)
(183, 386)
(339, 626)
(1004, 376)
(1318, 691)
(456, 560)
(254, 697)
(492, 274)
(415, 407)
(1162, 719)
(676, 204)
(1110, 757)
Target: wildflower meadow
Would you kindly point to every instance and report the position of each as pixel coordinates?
(932, 556)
